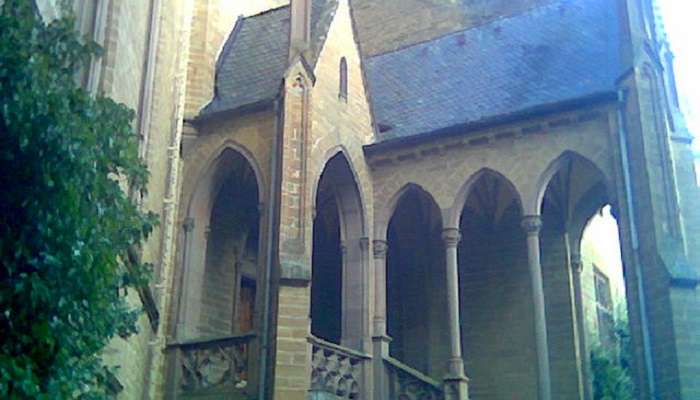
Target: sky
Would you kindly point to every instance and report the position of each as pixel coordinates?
(683, 29)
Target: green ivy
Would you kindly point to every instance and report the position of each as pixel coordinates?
(611, 367)
(68, 162)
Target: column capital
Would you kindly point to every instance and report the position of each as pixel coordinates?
(531, 224)
(379, 248)
(188, 224)
(451, 237)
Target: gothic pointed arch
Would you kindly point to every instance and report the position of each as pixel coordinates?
(415, 284)
(338, 264)
(221, 239)
(492, 189)
(494, 276)
(567, 161)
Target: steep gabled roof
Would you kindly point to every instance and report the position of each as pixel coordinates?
(255, 56)
(558, 52)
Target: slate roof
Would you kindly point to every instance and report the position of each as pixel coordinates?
(251, 65)
(562, 51)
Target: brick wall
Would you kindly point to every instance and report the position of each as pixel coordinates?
(122, 74)
(316, 127)
(560, 311)
(141, 369)
(496, 313)
(416, 291)
(293, 355)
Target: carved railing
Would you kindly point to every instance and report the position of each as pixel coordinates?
(336, 369)
(212, 364)
(405, 383)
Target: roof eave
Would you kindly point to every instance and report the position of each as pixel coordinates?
(244, 109)
(469, 127)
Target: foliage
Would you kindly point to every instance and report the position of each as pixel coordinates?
(67, 224)
(611, 368)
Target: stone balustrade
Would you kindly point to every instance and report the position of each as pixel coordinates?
(405, 383)
(336, 370)
(220, 364)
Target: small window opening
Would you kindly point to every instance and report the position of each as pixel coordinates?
(343, 90)
(604, 309)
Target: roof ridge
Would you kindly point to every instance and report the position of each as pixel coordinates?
(473, 27)
(268, 11)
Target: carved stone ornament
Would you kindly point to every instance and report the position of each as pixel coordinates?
(220, 363)
(379, 248)
(409, 385)
(335, 372)
(531, 224)
(451, 237)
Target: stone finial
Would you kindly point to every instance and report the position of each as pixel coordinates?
(531, 224)
(300, 30)
(379, 248)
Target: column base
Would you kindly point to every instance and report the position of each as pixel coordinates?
(456, 383)
(456, 388)
(380, 345)
(455, 368)
(380, 351)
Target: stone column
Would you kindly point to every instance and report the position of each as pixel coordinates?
(184, 329)
(577, 269)
(346, 298)
(380, 339)
(365, 319)
(366, 283)
(456, 386)
(532, 224)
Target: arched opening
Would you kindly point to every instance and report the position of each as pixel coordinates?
(416, 278)
(220, 283)
(583, 281)
(495, 292)
(231, 262)
(337, 283)
(604, 302)
(221, 252)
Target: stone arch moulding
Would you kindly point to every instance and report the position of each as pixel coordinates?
(328, 156)
(592, 202)
(454, 213)
(210, 168)
(533, 200)
(382, 219)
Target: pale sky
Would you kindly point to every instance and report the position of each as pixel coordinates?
(683, 28)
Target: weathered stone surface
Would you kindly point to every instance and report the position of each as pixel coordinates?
(311, 124)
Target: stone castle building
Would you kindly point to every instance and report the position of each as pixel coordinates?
(385, 199)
